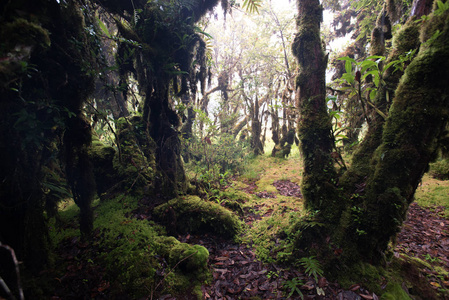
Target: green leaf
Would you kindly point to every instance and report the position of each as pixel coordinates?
(376, 80)
(341, 136)
(366, 64)
(375, 74)
(335, 114)
(376, 57)
(103, 27)
(197, 29)
(348, 66)
(348, 77)
(390, 64)
(347, 59)
(252, 6)
(332, 98)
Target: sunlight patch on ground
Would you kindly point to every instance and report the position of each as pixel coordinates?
(433, 192)
(270, 217)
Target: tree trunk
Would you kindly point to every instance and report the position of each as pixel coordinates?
(417, 119)
(407, 39)
(363, 217)
(319, 177)
(162, 122)
(37, 105)
(256, 129)
(79, 169)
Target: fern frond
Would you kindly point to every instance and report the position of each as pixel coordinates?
(252, 6)
(312, 267)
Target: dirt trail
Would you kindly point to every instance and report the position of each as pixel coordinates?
(238, 274)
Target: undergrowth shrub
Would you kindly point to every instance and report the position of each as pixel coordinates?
(212, 161)
(440, 169)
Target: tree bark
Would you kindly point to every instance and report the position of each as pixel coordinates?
(319, 178)
(417, 119)
(363, 217)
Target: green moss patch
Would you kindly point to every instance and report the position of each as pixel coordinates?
(138, 260)
(193, 215)
(440, 169)
(433, 192)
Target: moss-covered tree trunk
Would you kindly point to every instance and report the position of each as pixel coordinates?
(256, 128)
(319, 178)
(416, 120)
(363, 217)
(44, 82)
(406, 39)
(163, 122)
(79, 169)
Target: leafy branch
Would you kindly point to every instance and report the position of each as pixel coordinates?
(357, 73)
(252, 6)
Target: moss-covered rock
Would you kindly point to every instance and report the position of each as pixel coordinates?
(191, 259)
(193, 215)
(136, 253)
(233, 200)
(189, 265)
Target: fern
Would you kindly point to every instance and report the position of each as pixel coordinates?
(312, 266)
(252, 6)
(293, 285)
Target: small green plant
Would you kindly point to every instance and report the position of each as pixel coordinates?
(357, 217)
(442, 7)
(272, 274)
(213, 156)
(312, 266)
(293, 285)
(373, 67)
(431, 259)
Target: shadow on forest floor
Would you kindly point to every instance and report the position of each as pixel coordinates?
(248, 270)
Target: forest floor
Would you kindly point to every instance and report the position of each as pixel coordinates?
(275, 197)
(249, 270)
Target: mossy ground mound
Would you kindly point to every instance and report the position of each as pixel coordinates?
(137, 258)
(194, 215)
